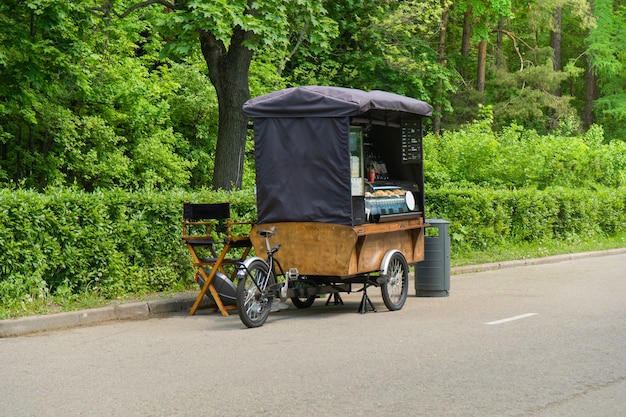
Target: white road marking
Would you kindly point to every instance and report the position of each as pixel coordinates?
(521, 316)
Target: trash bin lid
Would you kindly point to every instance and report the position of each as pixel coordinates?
(437, 221)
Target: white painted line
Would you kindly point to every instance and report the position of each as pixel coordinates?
(521, 316)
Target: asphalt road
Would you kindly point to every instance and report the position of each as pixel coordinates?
(541, 340)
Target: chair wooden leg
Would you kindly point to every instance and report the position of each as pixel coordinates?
(209, 286)
(208, 278)
(218, 301)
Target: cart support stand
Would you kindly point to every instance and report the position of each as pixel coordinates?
(335, 297)
(365, 301)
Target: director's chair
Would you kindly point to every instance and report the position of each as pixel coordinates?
(210, 248)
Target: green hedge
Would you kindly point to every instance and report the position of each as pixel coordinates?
(115, 243)
(483, 217)
(112, 242)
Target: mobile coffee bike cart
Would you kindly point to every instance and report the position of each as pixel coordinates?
(340, 189)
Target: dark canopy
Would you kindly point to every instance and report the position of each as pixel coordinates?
(316, 101)
(302, 148)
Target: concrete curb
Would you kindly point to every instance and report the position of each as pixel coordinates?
(135, 310)
(468, 269)
(146, 309)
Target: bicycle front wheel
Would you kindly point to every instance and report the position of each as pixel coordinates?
(253, 302)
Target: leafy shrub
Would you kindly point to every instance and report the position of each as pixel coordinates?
(516, 158)
(483, 217)
(116, 243)
(111, 242)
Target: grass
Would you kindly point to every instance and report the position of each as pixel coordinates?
(459, 257)
(528, 250)
(57, 304)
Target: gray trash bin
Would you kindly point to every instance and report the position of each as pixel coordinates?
(432, 275)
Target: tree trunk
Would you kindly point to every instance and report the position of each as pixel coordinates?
(555, 41)
(466, 40)
(482, 65)
(228, 71)
(441, 58)
(591, 94)
(500, 62)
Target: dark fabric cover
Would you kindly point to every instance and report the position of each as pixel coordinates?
(319, 101)
(302, 149)
(302, 170)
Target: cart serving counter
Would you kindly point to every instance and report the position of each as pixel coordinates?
(340, 187)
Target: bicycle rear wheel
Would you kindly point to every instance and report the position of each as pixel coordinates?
(302, 301)
(254, 303)
(395, 290)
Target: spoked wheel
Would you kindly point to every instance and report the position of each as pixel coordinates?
(253, 305)
(304, 301)
(395, 290)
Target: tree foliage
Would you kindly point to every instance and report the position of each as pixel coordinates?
(148, 94)
(84, 102)
(608, 61)
(381, 45)
(229, 33)
(514, 157)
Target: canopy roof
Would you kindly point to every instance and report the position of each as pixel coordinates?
(322, 101)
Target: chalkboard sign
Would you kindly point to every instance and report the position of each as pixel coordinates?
(411, 131)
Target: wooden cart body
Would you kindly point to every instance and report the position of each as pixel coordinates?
(331, 250)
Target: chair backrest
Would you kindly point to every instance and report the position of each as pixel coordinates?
(195, 212)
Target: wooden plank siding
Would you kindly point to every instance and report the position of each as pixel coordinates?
(335, 250)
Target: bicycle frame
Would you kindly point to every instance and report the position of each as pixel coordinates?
(273, 267)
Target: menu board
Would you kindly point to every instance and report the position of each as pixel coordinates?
(411, 131)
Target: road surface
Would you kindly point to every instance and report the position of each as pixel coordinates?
(542, 341)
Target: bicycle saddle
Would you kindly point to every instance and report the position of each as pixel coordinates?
(268, 232)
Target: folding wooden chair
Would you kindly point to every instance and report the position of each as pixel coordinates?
(210, 248)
